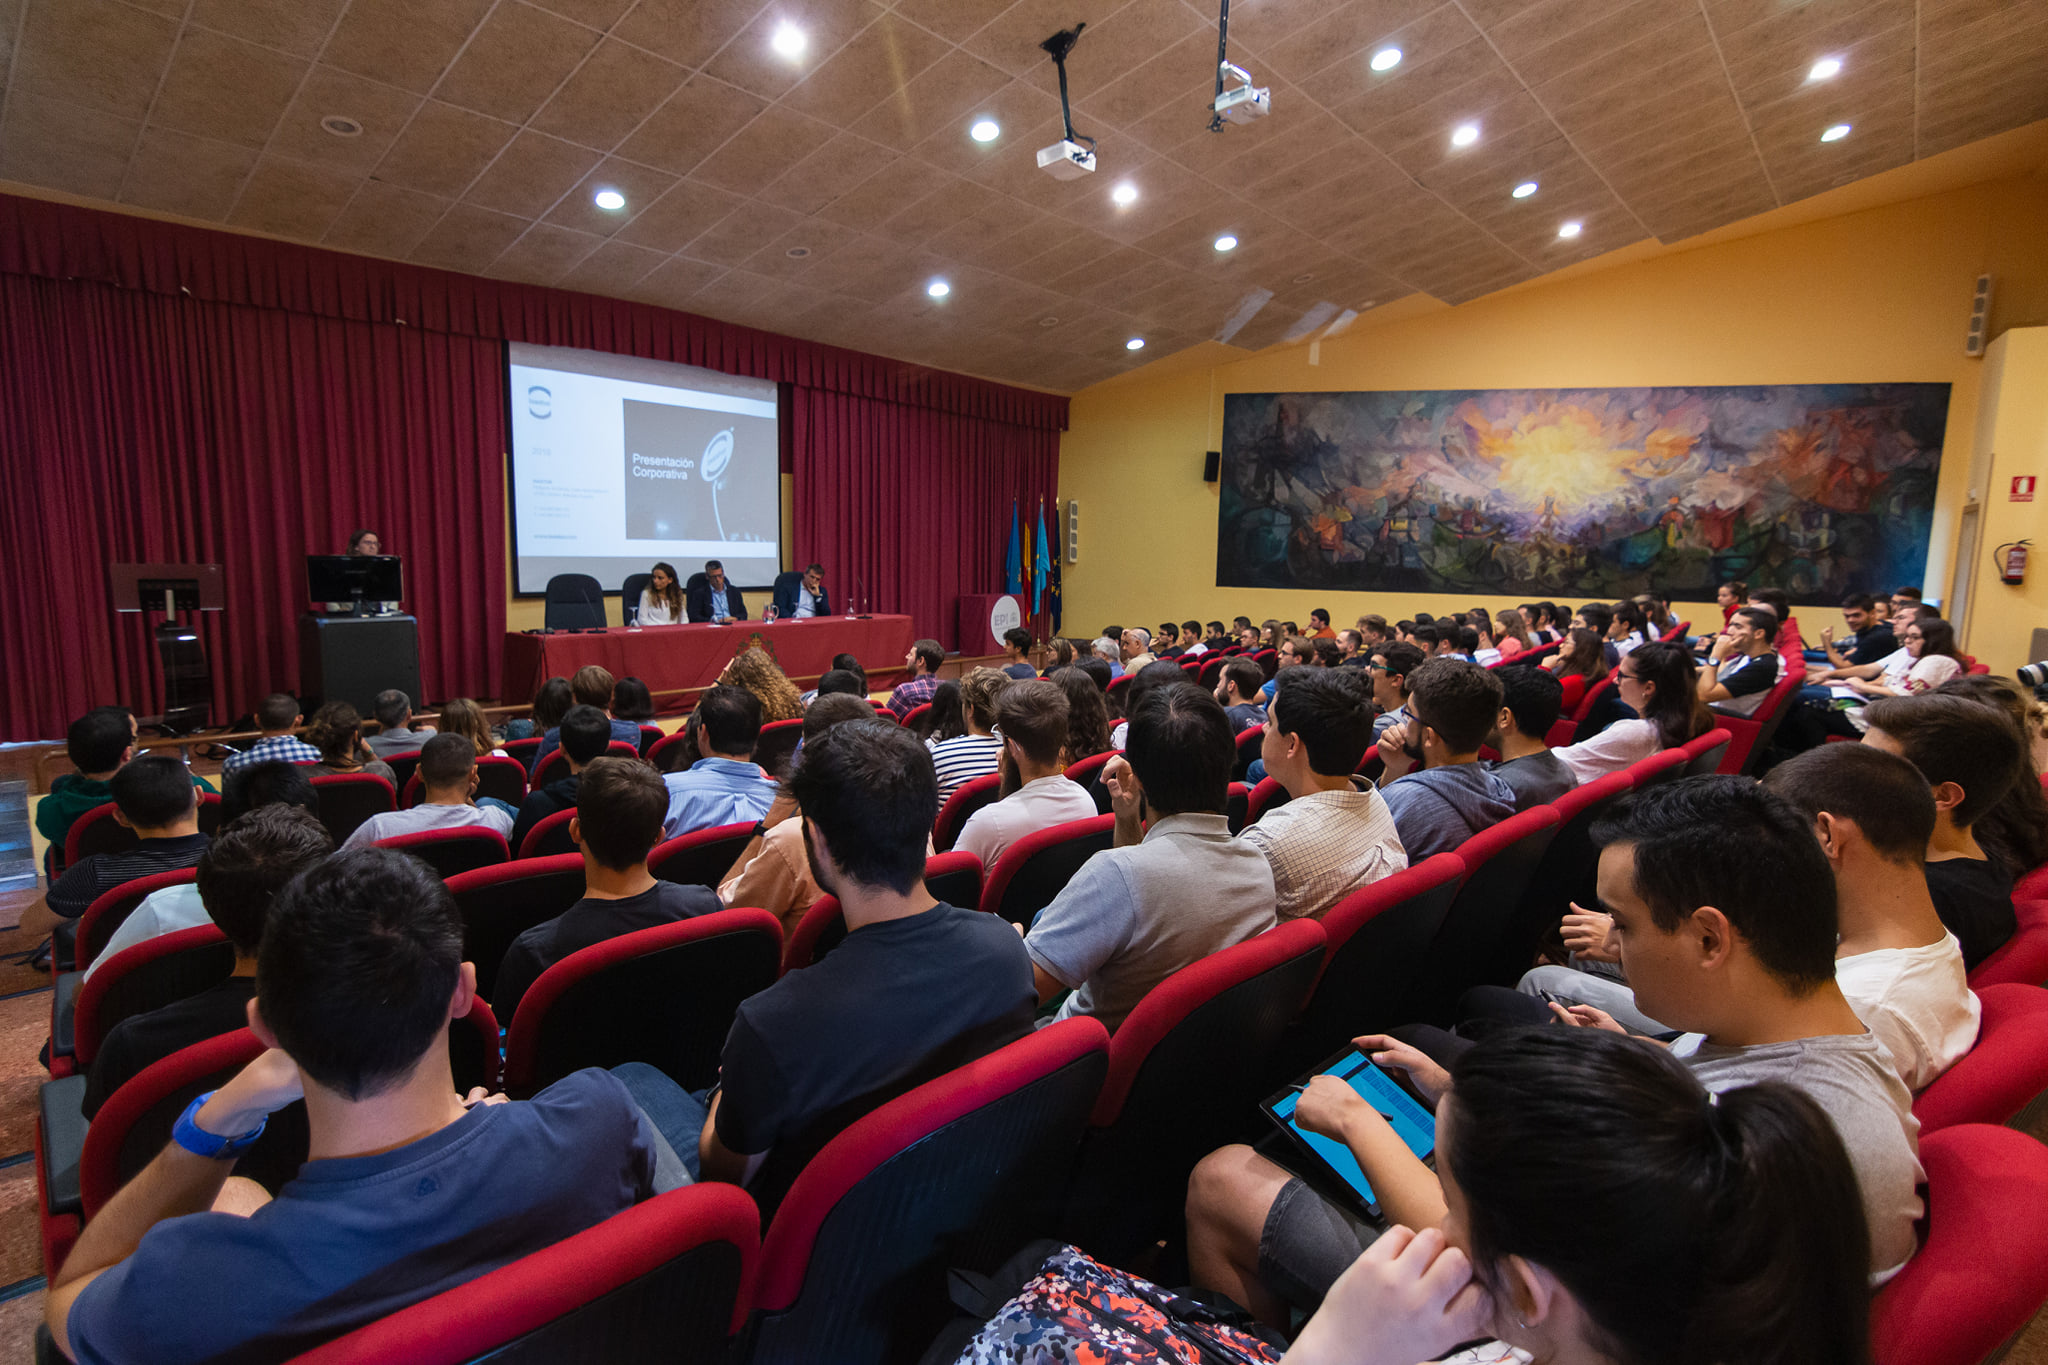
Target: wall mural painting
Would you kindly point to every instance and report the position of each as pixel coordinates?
(1582, 494)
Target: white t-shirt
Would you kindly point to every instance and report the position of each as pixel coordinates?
(395, 822)
(1038, 804)
(1918, 1003)
(1620, 744)
(161, 912)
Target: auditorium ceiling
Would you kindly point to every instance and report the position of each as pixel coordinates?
(807, 166)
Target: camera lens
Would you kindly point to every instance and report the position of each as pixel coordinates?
(2034, 675)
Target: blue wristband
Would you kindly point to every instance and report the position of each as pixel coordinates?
(188, 1134)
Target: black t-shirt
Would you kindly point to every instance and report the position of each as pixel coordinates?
(1536, 778)
(1744, 676)
(1869, 645)
(589, 922)
(558, 795)
(903, 996)
(1973, 896)
(141, 1040)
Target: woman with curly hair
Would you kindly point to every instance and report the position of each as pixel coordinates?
(753, 670)
(336, 730)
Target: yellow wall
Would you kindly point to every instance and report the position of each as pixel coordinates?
(1877, 295)
(2014, 435)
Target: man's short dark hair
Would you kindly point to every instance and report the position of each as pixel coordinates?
(391, 708)
(1328, 652)
(446, 761)
(730, 718)
(1859, 601)
(711, 564)
(1033, 713)
(585, 733)
(620, 805)
(1468, 639)
(1331, 710)
(1241, 622)
(1018, 636)
(153, 791)
(1765, 623)
(932, 652)
(1598, 616)
(1319, 614)
(249, 861)
(1534, 696)
(1424, 634)
(840, 681)
(277, 711)
(870, 792)
(1179, 744)
(1883, 794)
(1457, 699)
(1159, 673)
(1193, 629)
(1913, 593)
(97, 739)
(1951, 739)
(275, 783)
(826, 711)
(814, 568)
(359, 960)
(592, 685)
(1775, 599)
(1749, 853)
(1402, 661)
(1098, 671)
(1248, 676)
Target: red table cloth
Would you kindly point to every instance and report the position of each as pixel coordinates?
(671, 657)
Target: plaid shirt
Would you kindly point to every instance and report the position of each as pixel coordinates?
(273, 749)
(909, 696)
(1324, 846)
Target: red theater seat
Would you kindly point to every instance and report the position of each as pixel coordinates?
(499, 903)
(2005, 1070)
(966, 799)
(450, 851)
(348, 799)
(1037, 867)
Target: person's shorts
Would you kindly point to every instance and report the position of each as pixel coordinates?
(1307, 1243)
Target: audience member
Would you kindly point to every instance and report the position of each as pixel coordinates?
(2015, 829)
(1135, 648)
(336, 733)
(772, 872)
(1158, 673)
(1659, 682)
(1625, 630)
(394, 737)
(277, 715)
(551, 701)
(1869, 641)
(1016, 649)
(1531, 701)
(1970, 755)
(1578, 664)
(923, 662)
(1032, 719)
(238, 874)
(1391, 666)
(1742, 668)
(591, 685)
(942, 718)
(1109, 650)
(1511, 634)
(1087, 713)
(1334, 834)
(1319, 625)
(841, 663)
(1169, 893)
(448, 776)
(1791, 648)
(1293, 652)
(840, 682)
(97, 744)
(1375, 630)
(1192, 643)
(1599, 618)
(153, 796)
(756, 670)
(1452, 705)
(1238, 691)
(1351, 648)
(584, 735)
(1730, 596)
(464, 717)
(960, 759)
(410, 1190)
(620, 803)
(1926, 658)
(631, 700)
(724, 786)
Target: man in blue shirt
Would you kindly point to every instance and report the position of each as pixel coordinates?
(410, 1189)
(711, 598)
(724, 786)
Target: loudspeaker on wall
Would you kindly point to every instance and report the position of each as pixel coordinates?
(1980, 317)
(1073, 530)
(1212, 466)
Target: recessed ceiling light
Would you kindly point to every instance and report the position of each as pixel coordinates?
(1369, 303)
(1465, 135)
(1826, 69)
(1125, 194)
(1135, 344)
(789, 41)
(799, 252)
(1571, 229)
(1226, 243)
(1386, 59)
(1525, 189)
(611, 201)
(985, 130)
(341, 125)
(938, 289)
(1303, 279)
(1836, 133)
(1048, 322)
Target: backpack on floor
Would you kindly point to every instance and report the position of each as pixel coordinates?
(1067, 1308)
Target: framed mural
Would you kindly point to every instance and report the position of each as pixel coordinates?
(1582, 494)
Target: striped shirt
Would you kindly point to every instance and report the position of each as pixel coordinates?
(1324, 846)
(272, 749)
(962, 759)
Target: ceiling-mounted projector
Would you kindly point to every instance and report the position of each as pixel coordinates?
(1243, 102)
(1066, 160)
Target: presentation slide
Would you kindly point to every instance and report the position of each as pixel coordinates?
(620, 463)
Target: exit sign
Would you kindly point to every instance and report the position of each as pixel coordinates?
(2023, 488)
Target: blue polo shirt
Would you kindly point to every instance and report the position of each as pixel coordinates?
(716, 791)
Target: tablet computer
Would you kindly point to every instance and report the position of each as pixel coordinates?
(1415, 1124)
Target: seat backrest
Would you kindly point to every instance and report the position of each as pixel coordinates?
(404, 767)
(2023, 958)
(556, 765)
(97, 831)
(958, 1173)
(1378, 937)
(2002, 1072)
(1473, 947)
(1248, 741)
(665, 996)
(501, 776)
(1666, 765)
(966, 799)
(1703, 755)
(1118, 684)
(1086, 770)
(1750, 735)
(1034, 869)
(702, 857)
(1570, 868)
(651, 735)
(449, 851)
(1237, 804)
(629, 596)
(348, 799)
(777, 741)
(1213, 664)
(954, 878)
(673, 753)
(498, 904)
(135, 1122)
(1268, 661)
(523, 750)
(1268, 795)
(670, 1279)
(549, 836)
(111, 908)
(1593, 695)
(822, 928)
(575, 601)
(148, 975)
(1185, 1068)
(915, 715)
(1982, 1271)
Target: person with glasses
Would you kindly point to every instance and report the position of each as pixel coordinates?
(1926, 658)
(1659, 682)
(1389, 667)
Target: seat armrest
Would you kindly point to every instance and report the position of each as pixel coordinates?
(64, 1129)
(64, 1012)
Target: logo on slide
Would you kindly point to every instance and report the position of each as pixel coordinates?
(1005, 615)
(712, 467)
(539, 402)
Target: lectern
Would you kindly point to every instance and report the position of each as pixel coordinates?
(170, 589)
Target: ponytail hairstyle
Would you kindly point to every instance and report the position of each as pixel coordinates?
(1675, 707)
(1691, 1229)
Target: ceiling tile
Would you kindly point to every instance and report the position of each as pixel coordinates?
(402, 42)
(598, 14)
(65, 146)
(685, 31)
(825, 174)
(193, 177)
(1018, 108)
(466, 235)
(609, 96)
(695, 122)
(1183, 76)
(1551, 41)
(672, 221)
(641, 185)
(882, 194)
(1441, 49)
(226, 89)
(1352, 32)
(749, 61)
(763, 150)
(291, 199)
(1778, 73)
(385, 220)
(443, 149)
(1420, 139)
(1730, 17)
(542, 255)
(944, 99)
(514, 61)
(1261, 27)
(1988, 48)
(1011, 39)
(948, 201)
(1796, 37)
(1626, 113)
(671, 284)
(865, 268)
(612, 269)
(295, 26)
(382, 110)
(816, 239)
(739, 234)
(870, 73)
(949, 19)
(93, 52)
(531, 174)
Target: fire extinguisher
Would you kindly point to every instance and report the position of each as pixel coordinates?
(2012, 561)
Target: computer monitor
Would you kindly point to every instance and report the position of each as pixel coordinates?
(355, 579)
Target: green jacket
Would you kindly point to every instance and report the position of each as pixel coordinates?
(71, 796)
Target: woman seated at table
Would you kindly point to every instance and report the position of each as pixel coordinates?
(661, 601)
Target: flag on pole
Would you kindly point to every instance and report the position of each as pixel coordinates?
(1013, 562)
(1024, 572)
(1052, 599)
(1041, 565)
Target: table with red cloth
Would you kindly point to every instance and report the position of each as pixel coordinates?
(670, 657)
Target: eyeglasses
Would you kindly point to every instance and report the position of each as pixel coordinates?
(1379, 666)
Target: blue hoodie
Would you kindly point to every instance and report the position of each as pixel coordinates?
(1437, 809)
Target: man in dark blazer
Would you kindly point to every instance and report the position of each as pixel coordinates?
(801, 595)
(710, 598)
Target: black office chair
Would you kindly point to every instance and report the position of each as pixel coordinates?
(629, 596)
(575, 601)
(788, 578)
